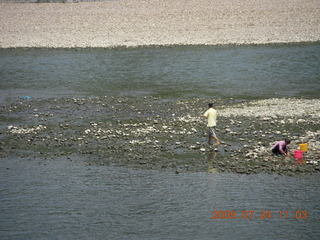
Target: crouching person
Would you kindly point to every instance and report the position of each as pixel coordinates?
(281, 148)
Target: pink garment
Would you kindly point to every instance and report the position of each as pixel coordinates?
(282, 146)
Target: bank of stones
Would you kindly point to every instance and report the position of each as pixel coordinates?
(141, 133)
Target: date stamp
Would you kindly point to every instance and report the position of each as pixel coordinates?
(260, 215)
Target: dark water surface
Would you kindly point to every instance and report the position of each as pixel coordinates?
(238, 71)
(60, 199)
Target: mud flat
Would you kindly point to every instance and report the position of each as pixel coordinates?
(153, 133)
(153, 22)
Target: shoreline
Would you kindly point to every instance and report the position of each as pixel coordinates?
(134, 23)
(270, 44)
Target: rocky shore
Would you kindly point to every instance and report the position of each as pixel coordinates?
(153, 133)
(153, 22)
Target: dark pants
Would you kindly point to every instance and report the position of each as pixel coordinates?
(276, 150)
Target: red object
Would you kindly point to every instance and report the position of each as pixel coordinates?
(298, 154)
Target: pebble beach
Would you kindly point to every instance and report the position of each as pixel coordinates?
(134, 23)
(149, 135)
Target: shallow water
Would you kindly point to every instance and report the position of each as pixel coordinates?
(237, 71)
(63, 199)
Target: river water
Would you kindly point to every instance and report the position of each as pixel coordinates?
(237, 71)
(65, 199)
(61, 198)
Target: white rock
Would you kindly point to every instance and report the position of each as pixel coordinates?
(301, 120)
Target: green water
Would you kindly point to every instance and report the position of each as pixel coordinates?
(228, 71)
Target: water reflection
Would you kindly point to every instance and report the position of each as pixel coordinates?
(300, 161)
(211, 157)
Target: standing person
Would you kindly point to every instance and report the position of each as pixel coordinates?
(211, 115)
(280, 148)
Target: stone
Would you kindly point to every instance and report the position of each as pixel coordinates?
(301, 120)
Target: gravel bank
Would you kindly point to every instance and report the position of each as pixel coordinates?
(141, 133)
(155, 22)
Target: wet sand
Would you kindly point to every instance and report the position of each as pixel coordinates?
(141, 133)
(151, 22)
